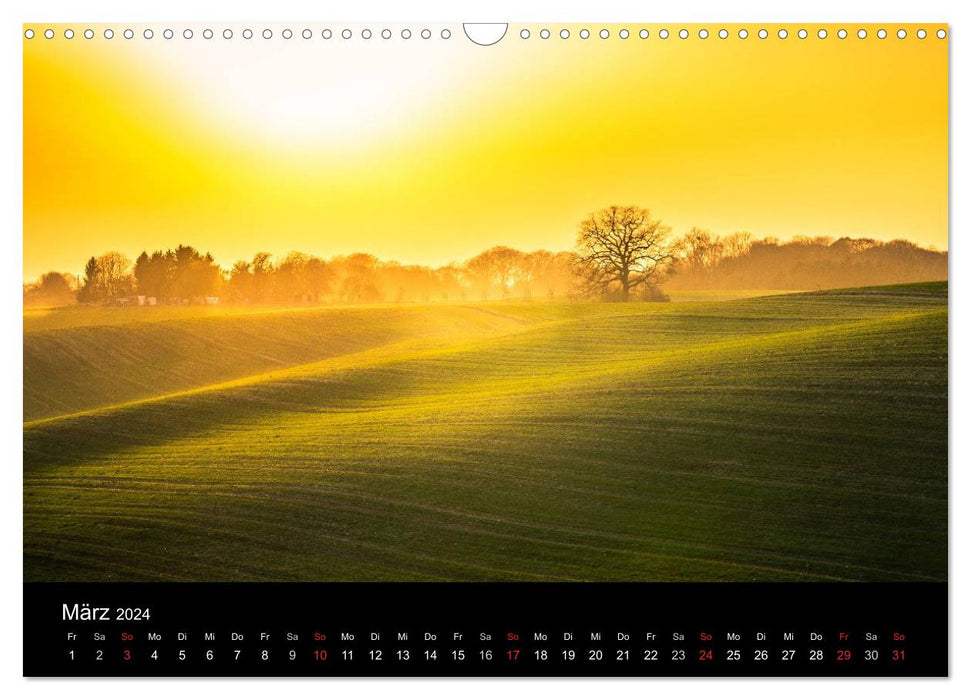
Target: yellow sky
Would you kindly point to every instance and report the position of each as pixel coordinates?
(432, 150)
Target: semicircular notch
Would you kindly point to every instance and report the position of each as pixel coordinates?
(484, 33)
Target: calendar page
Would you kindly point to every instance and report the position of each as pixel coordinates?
(487, 349)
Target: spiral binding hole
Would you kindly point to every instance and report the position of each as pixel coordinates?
(564, 33)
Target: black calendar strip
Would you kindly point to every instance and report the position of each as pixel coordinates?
(485, 629)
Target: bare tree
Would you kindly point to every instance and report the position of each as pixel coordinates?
(699, 250)
(737, 244)
(106, 277)
(622, 250)
(498, 267)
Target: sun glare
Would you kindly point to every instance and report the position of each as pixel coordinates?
(240, 145)
(313, 93)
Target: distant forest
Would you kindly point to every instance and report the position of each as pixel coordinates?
(739, 262)
(698, 260)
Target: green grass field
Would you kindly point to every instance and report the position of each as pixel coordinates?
(786, 437)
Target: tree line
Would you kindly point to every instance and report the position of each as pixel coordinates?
(625, 253)
(183, 275)
(738, 261)
(621, 253)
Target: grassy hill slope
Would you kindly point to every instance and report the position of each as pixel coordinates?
(84, 358)
(775, 438)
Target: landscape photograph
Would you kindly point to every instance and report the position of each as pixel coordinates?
(616, 308)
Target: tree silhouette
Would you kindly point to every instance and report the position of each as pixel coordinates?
(89, 291)
(106, 278)
(700, 250)
(52, 289)
(360, 278)
(622, 250)
(261, 277)
(183, 273)
(240, 282)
